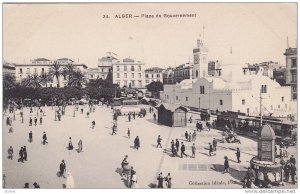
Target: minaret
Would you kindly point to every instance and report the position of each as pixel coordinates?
(200, 63)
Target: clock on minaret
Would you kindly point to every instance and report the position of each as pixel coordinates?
(196, 59)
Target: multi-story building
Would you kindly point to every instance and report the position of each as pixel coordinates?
(168, 76)
(182, 72)
(279, 74)
(154, 74)
(129, 73)
(93, 73)
(9, 69)
(105, 65)
(41, 65)
(291, 70)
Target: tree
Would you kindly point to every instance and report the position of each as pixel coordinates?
(9, 81)
(76, 79)
(45, 78)
(155, 88)
(68, 71)
(32, 81)
(56, 71)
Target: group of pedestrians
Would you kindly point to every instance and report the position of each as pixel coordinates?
(289, 169)
(161, 180)
(22, 154)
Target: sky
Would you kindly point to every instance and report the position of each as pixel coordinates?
(256, 32)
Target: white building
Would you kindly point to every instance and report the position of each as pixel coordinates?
(42, 65)
(129, 73)
(154, 74)
(232, 91)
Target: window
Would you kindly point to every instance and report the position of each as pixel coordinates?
(294, 76)
(202, 90)
(21, 71)
(132, 82)
(294, 88)
(125, 75)
(35, 70)
(186, 98)
(196, 73)
(248, 110)
(50, 85)
(125, 83)
(140, 68)
(92, 76)
(243, 102)
(146, 75)
(28, 70)
(43, 71)
(118, 75)
(132, 75)
(147, 81)
(221, 102)
(176, 97)
(167, 96)
(118, 68)
(132, 68)
(125, 68)
(157, 75)
(57, 85)
(285, 106)
(282, 99)
(294, 62)
(140, 75)
(140, 82)
(278, 105)
(65, 77)
(264, 89)
(152, 75)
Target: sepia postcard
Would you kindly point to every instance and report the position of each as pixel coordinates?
(149, 95)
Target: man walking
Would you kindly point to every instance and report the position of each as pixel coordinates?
(159, 141)
(137, 142)
(286, 170)
(44, 138)
(210, 149)
(177, 145)
(30, 136)
(21, 155)
(41, 120)
(62, 168)
(186, 135)
(238, 155)
(93, 124)
(215, 144)
(114, 130)
(10, 152)
(193, 150)
(128, 133)
(190, 137)
(80, 146)
(160, 180)
(35, 121)
(226, 165)
(30, 121)
(293, 172)
(182, 149)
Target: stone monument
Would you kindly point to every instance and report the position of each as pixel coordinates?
(266, 144)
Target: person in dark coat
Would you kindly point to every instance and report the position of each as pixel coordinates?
(36, 186)
(26, 186)
(292, 160)
(160, 180)
(186, 135)
(30, 121)
(81, 111)
(93, 124)
(10, 152)
(62, 168)
(25, 153)
(128, 133)
(238, 155)
(286, 170)
(44, 138)
(7, 121)
(226, 164)
(30, 136)
(70, 145)
(114, 130)
(41, 120)
(177, 145)
(293, 172)
(200, 126)
(154, 116)
(197, 126)
(129, 117)
(137, 142)
(193, 150)
(210, 149)
(182, 149)
(21, 159)
(133, 115)
(173, 149)
(159, 141)
(35, 121)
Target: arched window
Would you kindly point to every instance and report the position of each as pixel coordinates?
(196, 73)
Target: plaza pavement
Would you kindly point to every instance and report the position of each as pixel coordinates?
(99, 165)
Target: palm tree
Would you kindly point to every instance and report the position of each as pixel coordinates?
(45, 78)
(32, 81)
(68, 71)
(56, 71)
(76, 79)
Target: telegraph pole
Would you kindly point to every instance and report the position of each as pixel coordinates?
(260, 106)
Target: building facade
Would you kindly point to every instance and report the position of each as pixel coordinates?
(232, 92)
(168, 76)
(129, 73)
(154, 74)
(182, 72)
(9, 69)
(42, 66)
(291, 70)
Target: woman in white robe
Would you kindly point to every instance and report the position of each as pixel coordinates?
(70, 184)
